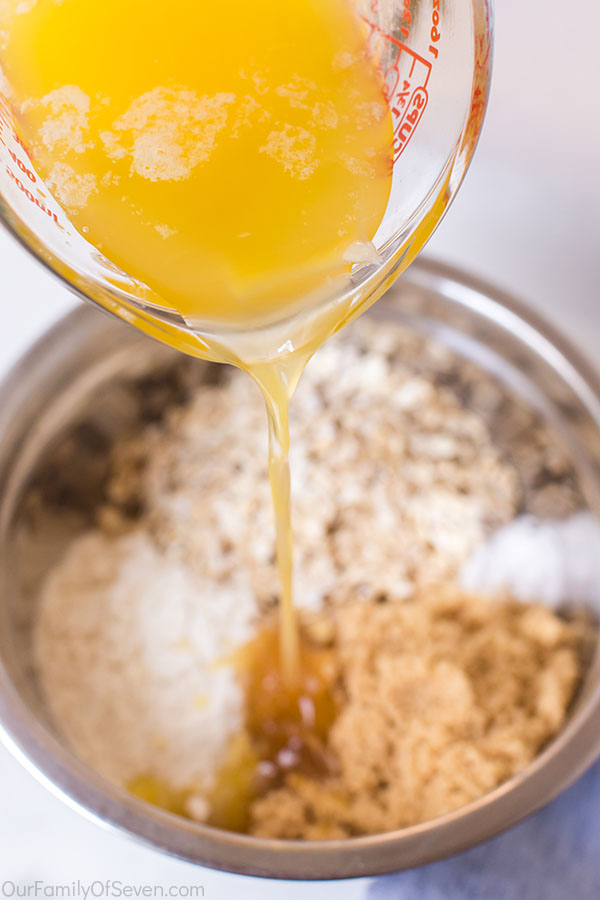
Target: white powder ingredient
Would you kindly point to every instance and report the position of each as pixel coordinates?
(552, 562)
(127, 655)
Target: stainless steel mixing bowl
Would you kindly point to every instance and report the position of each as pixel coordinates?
(73, 375)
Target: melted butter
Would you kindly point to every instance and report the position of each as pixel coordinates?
(157, 792)
(277, 381)
(227, 155)
(286, 725)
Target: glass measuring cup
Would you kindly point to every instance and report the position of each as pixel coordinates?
(435, 59)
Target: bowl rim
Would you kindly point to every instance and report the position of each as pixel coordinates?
(560, 763)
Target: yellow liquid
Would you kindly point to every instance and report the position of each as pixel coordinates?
(225, 154)
(285, 729)
(229, 156)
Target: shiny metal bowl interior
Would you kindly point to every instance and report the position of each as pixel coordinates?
(72, 377)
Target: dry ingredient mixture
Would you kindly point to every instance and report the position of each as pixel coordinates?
(438, 696)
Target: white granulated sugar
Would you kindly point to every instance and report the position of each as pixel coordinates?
(126, 646)
(552, 562)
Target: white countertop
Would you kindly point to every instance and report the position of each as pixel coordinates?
(528, 218)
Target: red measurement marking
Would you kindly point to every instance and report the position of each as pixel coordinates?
(20, 142)
(406, 77)
(410, 120)
(19, 162)
(435, 31)
(9, 140)
(31, 197)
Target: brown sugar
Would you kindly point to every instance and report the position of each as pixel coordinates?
(441, 698)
